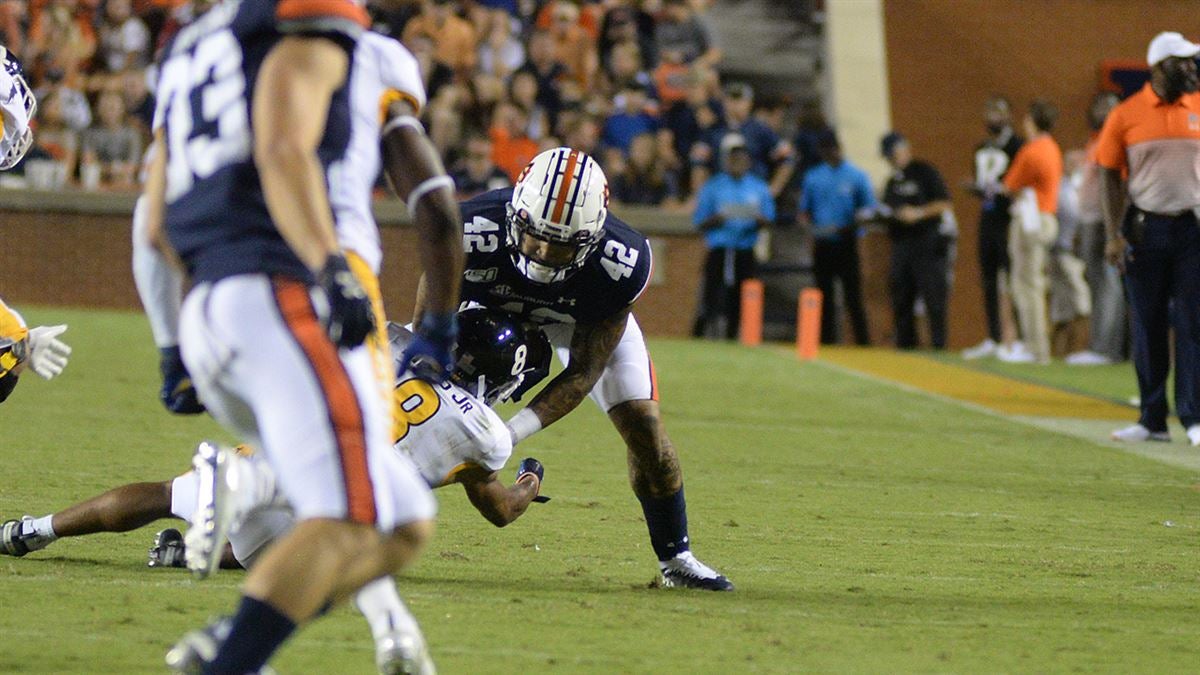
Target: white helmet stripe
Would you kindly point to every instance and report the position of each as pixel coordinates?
(560, 155)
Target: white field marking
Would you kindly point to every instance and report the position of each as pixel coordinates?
(1179, 455)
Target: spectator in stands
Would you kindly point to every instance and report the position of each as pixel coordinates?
(680, 31)
(583, 133)
(512, 148)
(478, 173)
(625, 22)
(434, 73)
(12, 15)
(454, 38)
(500, 51)
(113, 145)
(629, 118)
(691, 119)
(992, 159)
(644, 178)
(124, 40)
(586, 15)
(773, 158)
(1070, 298)
(1109, 327)
(139, 101)
(1033, 182)
(55, 139)
(731, 208)
(835, 197)
(543, 64)
(61, 37)
(523, 92)
(811, 126)
(574, 47)
(76, 111)
(625, 68)
(917, 201)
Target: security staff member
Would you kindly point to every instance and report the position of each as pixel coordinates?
(1155, 136)
(916, 196)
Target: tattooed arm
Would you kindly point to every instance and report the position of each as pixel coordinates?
(591, 347)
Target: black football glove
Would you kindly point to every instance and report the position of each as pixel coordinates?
(351, 318)
(430, 355)
(178, 394)
(531, 465)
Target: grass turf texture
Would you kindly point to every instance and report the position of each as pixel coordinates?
(868, 529)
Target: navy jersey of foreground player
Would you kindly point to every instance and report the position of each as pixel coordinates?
(217, 217)
(610, 280)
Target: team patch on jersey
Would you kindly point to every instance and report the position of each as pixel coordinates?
(480, 276)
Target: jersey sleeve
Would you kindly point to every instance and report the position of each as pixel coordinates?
(935, 187)
(1110, 144)
(401, 77)
(493, 444)
(343, 20)
(12, 326)
(1019, 173)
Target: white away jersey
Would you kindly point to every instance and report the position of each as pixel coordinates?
(383, 71)
(443, 429)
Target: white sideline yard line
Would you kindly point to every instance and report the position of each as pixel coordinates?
(1177, 454)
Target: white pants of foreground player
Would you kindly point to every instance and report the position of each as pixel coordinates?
(265, 370)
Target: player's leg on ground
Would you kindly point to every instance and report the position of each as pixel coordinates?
(119, 510)
(657, 481)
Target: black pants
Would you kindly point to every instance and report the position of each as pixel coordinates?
(838, 259)
(1162, 281)
(993, 257)
(919, 270)
(724, 271)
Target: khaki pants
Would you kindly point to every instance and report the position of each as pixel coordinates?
(1028, 251)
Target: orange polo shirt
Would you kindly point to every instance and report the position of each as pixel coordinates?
(1038, 165)
(1158, 143)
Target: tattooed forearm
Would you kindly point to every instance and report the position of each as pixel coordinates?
(591, 347)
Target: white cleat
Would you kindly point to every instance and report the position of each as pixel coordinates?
(1017, 353)
(1136, 433)
(403, 653)
(215, 511)
(1193, 434)
(686, 571)
(980, 351)
(1088, 358)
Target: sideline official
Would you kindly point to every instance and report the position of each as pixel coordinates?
(1155, 136)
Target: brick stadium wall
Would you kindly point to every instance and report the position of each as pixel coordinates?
(83, 260)
(945, 57)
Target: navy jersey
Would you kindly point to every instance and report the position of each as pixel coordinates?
(610, 281)
(216, 214)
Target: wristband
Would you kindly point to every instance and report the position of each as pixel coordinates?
(427, 186)
(523, 425)
(402, 121)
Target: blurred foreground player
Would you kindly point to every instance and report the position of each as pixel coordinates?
(38, 349)
(549, 252)
(449, 431)
(272, 328)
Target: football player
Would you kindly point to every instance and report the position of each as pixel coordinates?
(38, 349)
(17, 108)
(271, 328)
(449, 431)
(549, 252)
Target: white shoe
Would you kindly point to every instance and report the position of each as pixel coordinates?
(1137, 433)
(208, 530)
(1018, 353)
(1088, 358)
(1193, 434)
(980, 351)
(686, 571)
(403, 653)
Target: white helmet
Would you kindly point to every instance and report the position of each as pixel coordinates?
(17, 108)
(556, 215)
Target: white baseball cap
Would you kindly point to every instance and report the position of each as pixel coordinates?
(1168, 44)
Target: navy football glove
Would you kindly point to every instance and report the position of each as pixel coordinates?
(177, 394)
(429, 355)
(531, 465)
(351, 318)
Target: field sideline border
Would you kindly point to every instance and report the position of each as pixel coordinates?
(1095, 430)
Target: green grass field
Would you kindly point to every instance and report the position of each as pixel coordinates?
(868, 529)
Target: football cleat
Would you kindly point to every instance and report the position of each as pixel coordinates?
(198, 648)
(210, 524)
(685, 571)
(403, 653)
(168, 549)
(15, 542)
